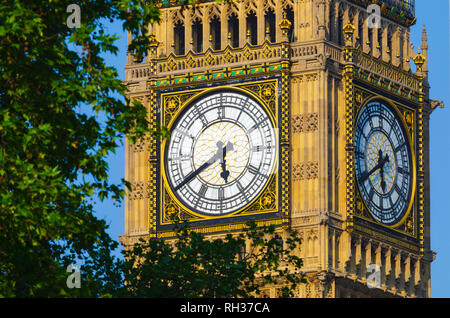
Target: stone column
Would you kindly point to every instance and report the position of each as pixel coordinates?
(242, 26)
(376, 43)
(387, 266)
(395, 54)
(321, 28)
(206, 31)
(365, 40)
(385, 55)
(260, 22)
(129, 54)
(224, 27)
(188, 33)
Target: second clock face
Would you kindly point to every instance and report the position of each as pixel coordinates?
(221, 153)
(383, 163)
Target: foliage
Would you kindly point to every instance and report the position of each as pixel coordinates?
(54, 88)
(192, 266)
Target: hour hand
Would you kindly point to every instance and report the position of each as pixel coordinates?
(380, 165)
(221, 151)
(229, 147)
(218, 156)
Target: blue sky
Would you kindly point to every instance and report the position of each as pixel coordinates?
(435, 16)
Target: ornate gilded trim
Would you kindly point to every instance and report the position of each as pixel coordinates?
(272, 200)
(409, 225)
(225, 73)
(349, 128)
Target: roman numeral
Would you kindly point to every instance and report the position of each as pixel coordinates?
(371, 123)
(200, 116)
(256, 171)
(184, 133)
(241, 189)
(221, 194)
(391, 202)
(399, 191)
(203, 190)
(364, 176)
(360, 154)
(180, 158)
(221, 109)
(253, 169)
(239, 116)
(399, 147)
(256, 126)
(260, 148)
(371, 193)
(201, 194)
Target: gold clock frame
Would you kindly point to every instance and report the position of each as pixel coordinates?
(365, 213)
(269, 201)
(410, 226)
(359, 85)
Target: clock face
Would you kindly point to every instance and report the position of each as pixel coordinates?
(221, 153)
(383, 163)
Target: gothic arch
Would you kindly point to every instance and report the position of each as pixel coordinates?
(249, 6)
(287, 3)
(196, 14)
(269, 5)
(176, 16)
(213, 11)
(231, 8)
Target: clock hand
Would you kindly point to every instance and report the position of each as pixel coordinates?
(366, 175)
(380, 164)
(203, 167)
(192, 175)
(225, 173)
(383, 182)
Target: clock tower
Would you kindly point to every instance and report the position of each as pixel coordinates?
(302, 114)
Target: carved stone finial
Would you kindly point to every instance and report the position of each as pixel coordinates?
(424, 39)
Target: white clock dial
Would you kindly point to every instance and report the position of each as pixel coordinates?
(383, 163)
(221, 154)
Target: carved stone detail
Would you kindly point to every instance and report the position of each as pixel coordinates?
(140, 190)
(304, 123)
(305, 171)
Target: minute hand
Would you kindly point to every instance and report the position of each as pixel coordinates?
(378, 166)
(217, 156)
